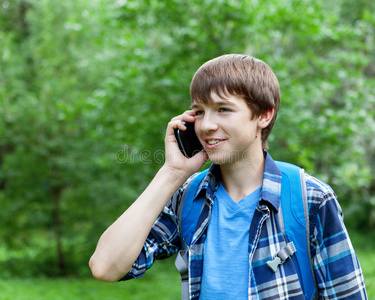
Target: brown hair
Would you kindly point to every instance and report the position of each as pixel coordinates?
(243, 76)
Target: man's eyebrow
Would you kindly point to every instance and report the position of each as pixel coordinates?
(217, 103)
(224, 103)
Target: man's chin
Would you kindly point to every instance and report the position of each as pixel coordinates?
(221, 158)
(229, 157)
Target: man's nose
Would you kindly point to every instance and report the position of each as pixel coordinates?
(209, 123)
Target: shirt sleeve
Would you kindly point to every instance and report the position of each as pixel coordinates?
(163, 240)
(337, 269)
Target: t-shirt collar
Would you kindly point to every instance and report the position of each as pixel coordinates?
(271, 187)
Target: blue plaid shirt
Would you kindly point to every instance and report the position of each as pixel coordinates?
(336, 267)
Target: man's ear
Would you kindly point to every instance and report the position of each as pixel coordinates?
(265, 118)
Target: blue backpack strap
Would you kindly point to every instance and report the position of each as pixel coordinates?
(294, 208)
(188, 213)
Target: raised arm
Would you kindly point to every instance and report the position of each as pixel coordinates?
(120, 245)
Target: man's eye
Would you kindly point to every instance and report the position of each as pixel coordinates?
(198, 112)
(224, 109)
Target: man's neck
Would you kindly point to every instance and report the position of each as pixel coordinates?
(242, 178)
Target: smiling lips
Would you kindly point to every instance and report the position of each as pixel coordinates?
(213, 143)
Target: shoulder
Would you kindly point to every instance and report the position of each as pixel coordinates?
(325, 211)
(205, 180)
(180, 193)
(318, 192)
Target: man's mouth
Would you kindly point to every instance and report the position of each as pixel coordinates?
(213, 143)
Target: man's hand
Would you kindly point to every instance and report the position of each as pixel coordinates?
(174, 159)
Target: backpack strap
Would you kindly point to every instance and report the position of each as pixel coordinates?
(182, 265)
(307, 223)
(181, 204)
(189, 210)
(297, 229)
(182, 258)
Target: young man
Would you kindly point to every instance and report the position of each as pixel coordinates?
(235, 100)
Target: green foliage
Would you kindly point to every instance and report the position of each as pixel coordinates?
(87, 88)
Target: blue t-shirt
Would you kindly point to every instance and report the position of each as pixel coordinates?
(226, 256)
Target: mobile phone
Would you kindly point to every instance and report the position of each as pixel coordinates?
(187, 140)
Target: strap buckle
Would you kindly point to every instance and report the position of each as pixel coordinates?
(281, 256)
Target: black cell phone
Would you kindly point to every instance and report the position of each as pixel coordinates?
(187, 140)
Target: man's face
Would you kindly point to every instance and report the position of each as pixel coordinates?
(227, 130)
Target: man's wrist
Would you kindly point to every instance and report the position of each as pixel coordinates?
(174, 177)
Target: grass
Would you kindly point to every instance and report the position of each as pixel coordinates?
(161, 282)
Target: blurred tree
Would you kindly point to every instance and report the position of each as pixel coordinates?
(87, 88)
